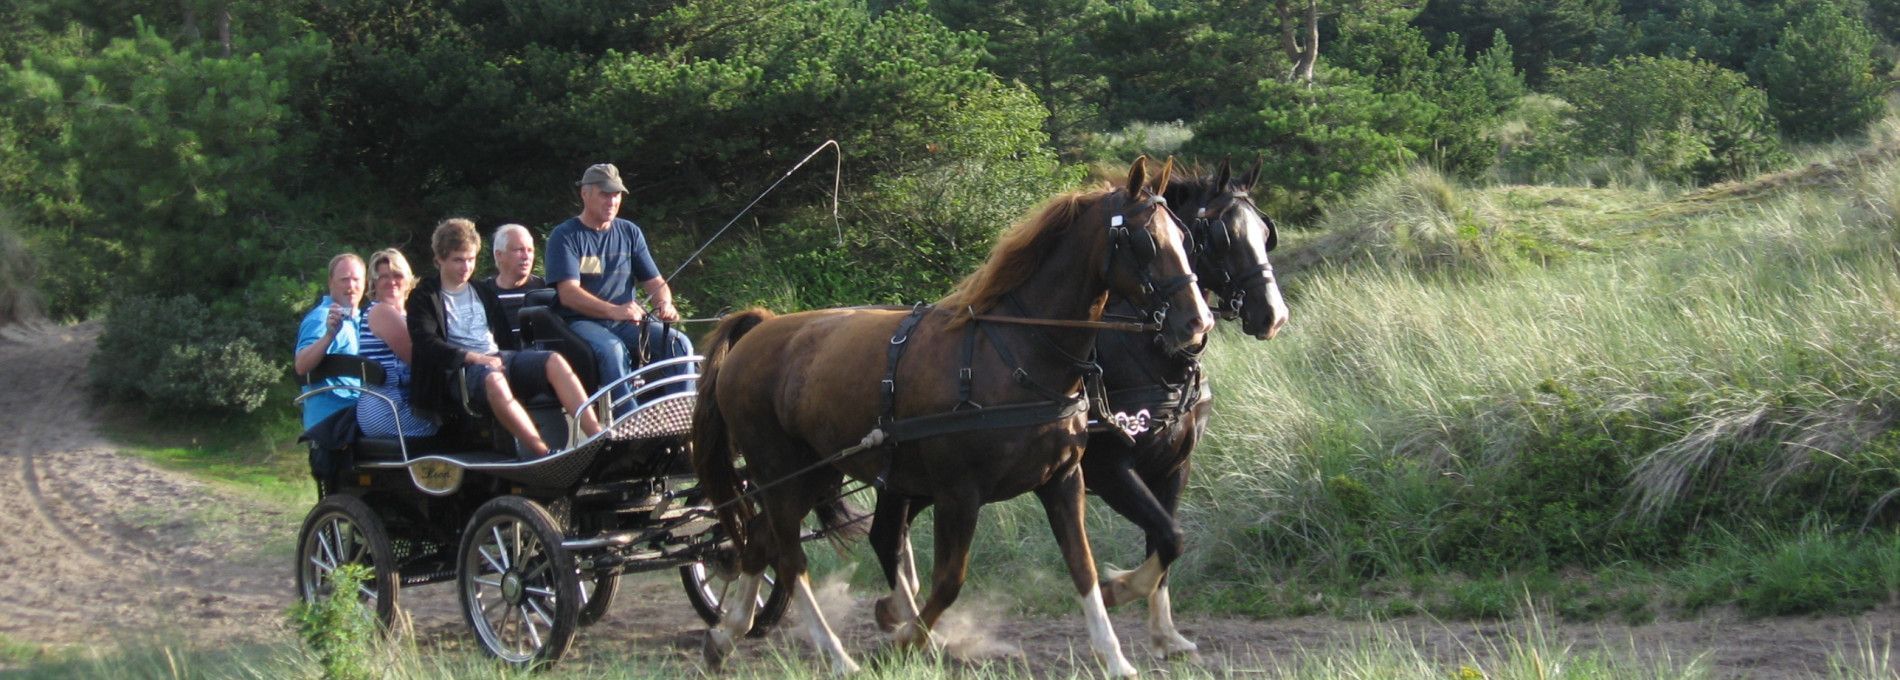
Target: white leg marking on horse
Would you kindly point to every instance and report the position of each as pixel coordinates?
(1108, 649)
(735, 619)
(1125, 586)
(740, 606)
(907, 561)
(821, 636)
(1167, 641)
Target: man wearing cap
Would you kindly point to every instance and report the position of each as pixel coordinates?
(594, 260)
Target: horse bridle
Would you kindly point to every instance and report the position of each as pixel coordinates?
(1142, 250)
(1211, 242)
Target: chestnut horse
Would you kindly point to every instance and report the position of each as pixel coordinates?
(792, 393)
(1142, 478)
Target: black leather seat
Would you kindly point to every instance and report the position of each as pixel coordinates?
(543, 328)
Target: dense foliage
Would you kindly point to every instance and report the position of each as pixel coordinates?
(223, 149)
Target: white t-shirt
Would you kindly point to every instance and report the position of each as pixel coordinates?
(468, 321)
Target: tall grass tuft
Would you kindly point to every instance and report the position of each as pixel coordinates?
(1724, 367)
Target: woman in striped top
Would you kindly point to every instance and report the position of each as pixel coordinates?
(386, 341)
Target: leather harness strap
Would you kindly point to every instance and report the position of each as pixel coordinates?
(899, 340)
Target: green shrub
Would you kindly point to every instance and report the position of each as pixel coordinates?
(1687, 121)
(1820, 76)
(179, 352)
(337, 629)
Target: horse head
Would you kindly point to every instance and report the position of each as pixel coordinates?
(1231, 241)
(1147, 258)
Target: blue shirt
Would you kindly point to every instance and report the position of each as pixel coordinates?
(316, 408)
(607, 263)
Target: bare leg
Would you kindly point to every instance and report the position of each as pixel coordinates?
(514, 419)
(568, 388)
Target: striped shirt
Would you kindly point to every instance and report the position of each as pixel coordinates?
(372, 414)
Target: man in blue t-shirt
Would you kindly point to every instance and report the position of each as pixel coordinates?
(594, 260)
(330, 328)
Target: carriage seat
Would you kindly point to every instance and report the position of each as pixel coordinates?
(543, 328)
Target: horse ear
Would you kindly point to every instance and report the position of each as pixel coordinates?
(1253, 176)
(1221, 176)
(1137, 175)
(1161, 179)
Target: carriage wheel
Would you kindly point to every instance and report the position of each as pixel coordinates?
(343, 530)
(598, 592)
(706, 585)
(521, 592)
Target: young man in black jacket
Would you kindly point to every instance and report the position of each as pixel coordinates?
(458, 325)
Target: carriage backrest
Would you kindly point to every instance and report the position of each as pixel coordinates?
(344, 366)
(542, 327)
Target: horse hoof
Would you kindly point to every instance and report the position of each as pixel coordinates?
(716, 647)
(886, 621)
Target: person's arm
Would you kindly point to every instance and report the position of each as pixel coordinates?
(313, 341)
(661, 296)
(576, 298)
(389, 324)
(564, 274)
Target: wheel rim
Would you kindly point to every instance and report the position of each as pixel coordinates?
(337, 541)
(714, 588)
(512, 588)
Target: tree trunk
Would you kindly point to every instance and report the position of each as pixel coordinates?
(224, 31)
(1310, 57)
(191, 33)
(1292, 25)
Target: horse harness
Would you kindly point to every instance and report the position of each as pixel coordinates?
(969, 416)
(1212, 239)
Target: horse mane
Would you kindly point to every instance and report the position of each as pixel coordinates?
(1017, 253)
(1198, 183)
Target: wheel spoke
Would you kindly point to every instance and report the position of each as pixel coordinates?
(495, 562)
(324, 568)
(533, 633)
(538, 611)
(323, 542)
(489, 608)
(538, 570)
(492, 583)
(543, 592)
(501, 549)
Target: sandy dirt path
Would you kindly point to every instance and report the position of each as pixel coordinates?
(95, 544)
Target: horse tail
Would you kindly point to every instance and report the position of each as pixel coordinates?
(713, 457)
(842, 522)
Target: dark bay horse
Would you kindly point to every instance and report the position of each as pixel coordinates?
(1143, 479)
(787, 392)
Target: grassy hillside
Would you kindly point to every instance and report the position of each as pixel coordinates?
(1616, 400)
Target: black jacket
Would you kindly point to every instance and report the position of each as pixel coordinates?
(436, 360)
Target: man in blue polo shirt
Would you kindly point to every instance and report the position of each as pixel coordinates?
(594, 260)
(330, 328)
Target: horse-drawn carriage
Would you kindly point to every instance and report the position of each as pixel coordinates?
(960, 423)
(535, 546)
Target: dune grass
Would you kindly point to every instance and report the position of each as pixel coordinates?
(1603, 397)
